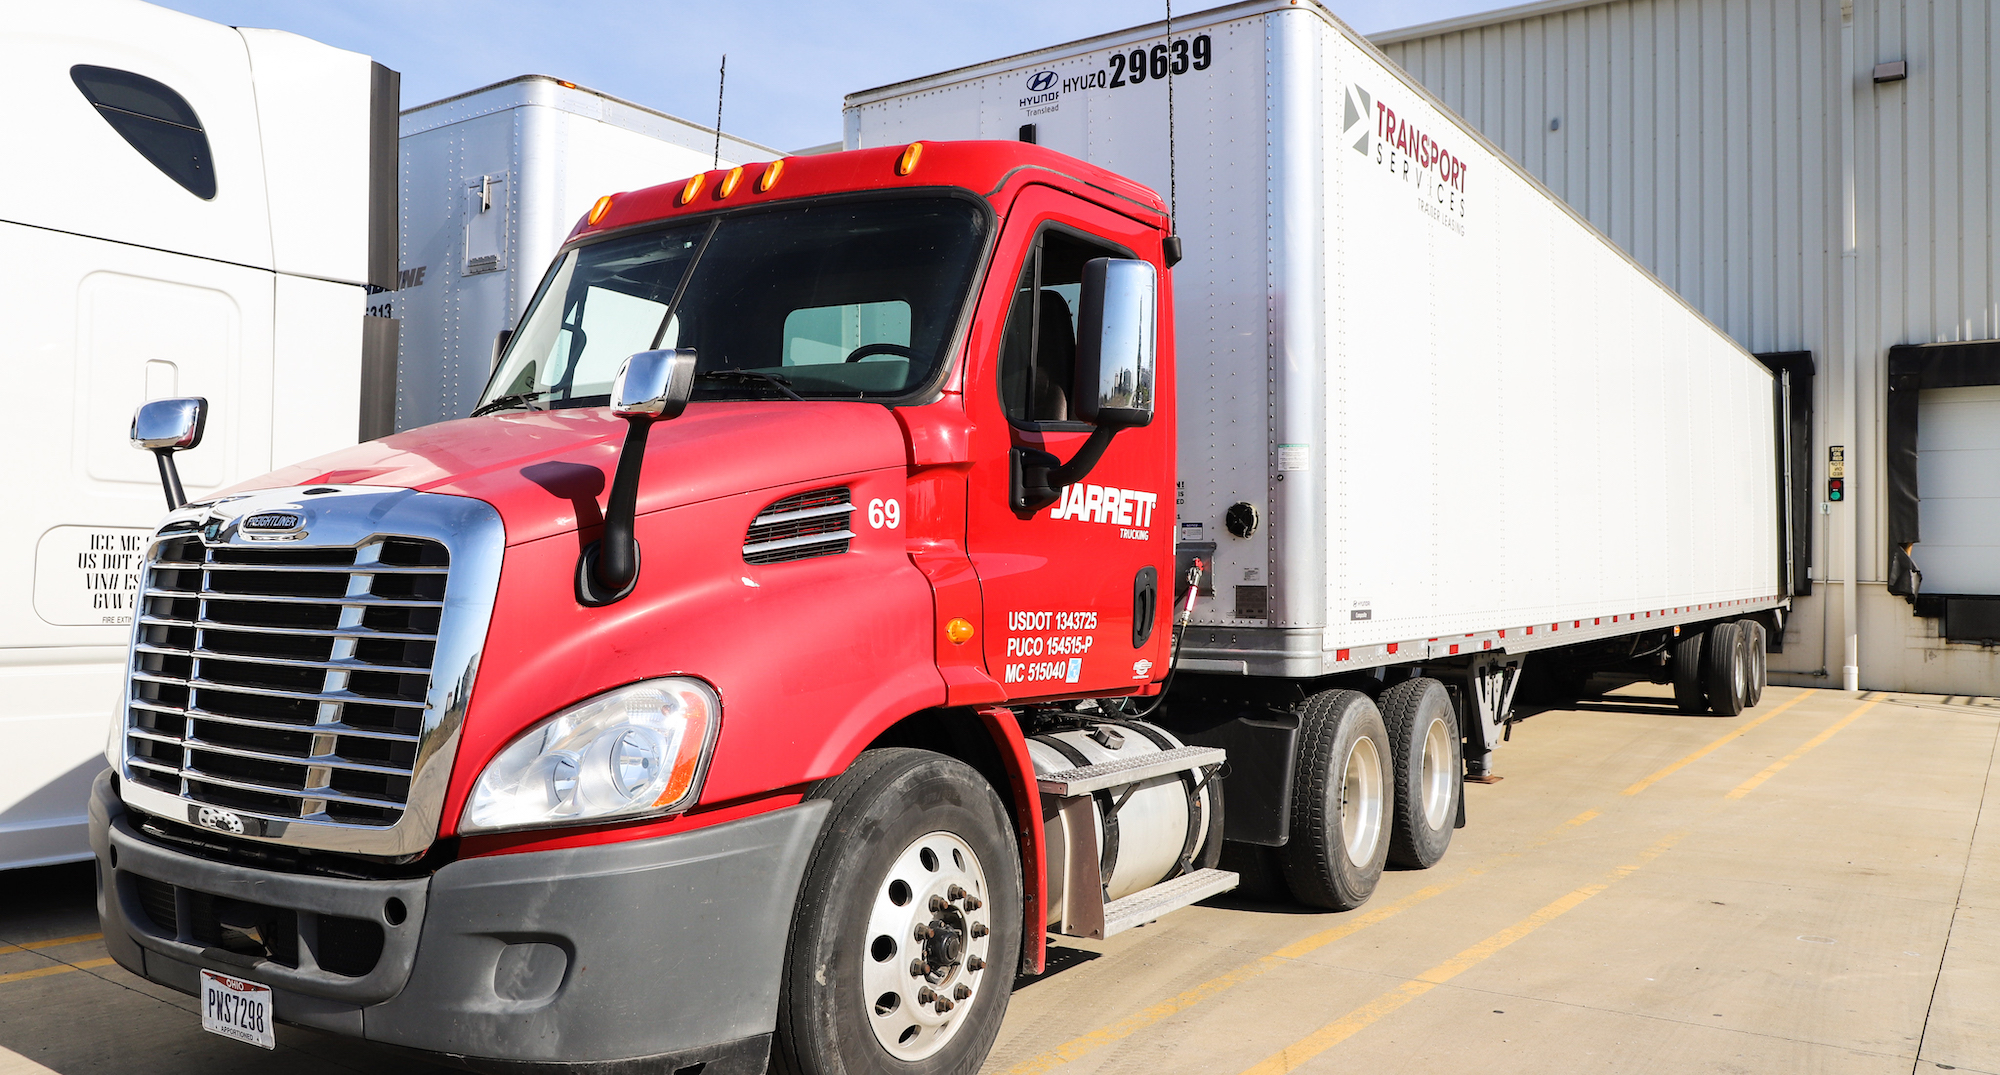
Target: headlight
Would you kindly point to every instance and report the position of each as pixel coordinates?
(636, 751)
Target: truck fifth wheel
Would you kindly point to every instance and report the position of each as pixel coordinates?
(782, 646)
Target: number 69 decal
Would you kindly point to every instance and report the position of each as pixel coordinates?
(885, 514)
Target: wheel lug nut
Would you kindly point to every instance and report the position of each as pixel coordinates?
(944, 1005)
(960, 993)
(938, 905)
(919, 968)
(955, 892)
(972, 903)
(923, 932)
(974, 963)
(925, 996)
(979, 929)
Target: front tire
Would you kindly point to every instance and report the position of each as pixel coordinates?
(907, 930)
(1423, 734)
(1342, 801)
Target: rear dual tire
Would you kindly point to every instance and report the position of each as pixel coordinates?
(1343, 801)
(1423, 736)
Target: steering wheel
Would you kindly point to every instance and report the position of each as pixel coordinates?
(867, 349)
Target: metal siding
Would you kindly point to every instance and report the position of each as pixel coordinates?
(1720, 173)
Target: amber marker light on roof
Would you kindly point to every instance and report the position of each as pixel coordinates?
(770, 177)
(566, 85)
(728, 184)
(597, 211)
(692, 188)
(907, 163)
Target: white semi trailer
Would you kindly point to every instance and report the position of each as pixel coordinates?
(1431, 420)
(187, 209)
(492, 181)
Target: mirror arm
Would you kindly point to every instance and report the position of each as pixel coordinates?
(1040, 478)
(608, 569)
(170, 478)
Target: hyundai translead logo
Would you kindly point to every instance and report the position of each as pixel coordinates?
(1041, 81)
(209, 817)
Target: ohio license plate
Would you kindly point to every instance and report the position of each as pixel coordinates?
(237, 1009)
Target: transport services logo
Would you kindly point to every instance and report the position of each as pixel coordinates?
(1407, 152)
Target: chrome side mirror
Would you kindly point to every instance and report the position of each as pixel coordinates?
(1116, 326)
(650, 386)
(653, 384)
(166, 426)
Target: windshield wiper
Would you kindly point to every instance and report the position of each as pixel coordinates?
(509, 402)
(778, 381)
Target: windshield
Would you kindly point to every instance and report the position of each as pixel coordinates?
(839, 300)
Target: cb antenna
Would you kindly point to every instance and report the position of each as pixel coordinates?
(721, 80)
(1172, 206)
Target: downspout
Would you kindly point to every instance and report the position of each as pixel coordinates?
(1850, 668)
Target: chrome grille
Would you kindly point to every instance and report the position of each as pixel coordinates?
(801, 526)
(285, 682)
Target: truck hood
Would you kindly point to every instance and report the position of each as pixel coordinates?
(544, 469)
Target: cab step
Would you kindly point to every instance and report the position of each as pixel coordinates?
(1148, 904)
(1112, 774)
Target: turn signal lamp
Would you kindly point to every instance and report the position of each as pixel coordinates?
(959, 631)
(907, 163)
(729, 182)
(771, 173)
(692, 188)
(597, 211)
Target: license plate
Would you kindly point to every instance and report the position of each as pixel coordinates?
(236, 1009)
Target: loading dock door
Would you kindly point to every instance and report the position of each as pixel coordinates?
(1958, 478)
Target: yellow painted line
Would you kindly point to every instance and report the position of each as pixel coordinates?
(1079, 1047)
(1295, 1055)
(59, 968)
(1771, 770)
(1713, 746)
(57, 943)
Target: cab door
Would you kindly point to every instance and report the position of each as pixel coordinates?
(1075, 591)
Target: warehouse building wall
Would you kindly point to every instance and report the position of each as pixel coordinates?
(1706, 138)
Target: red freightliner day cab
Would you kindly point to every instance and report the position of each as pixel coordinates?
(674, 708)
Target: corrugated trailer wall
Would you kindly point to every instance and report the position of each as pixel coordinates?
(1704, 136)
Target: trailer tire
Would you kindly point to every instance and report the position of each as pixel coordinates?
(1342, 802)
(1423, 737)
(1723, 669)
(1689, 695)
(851, 982)
(1753, 644)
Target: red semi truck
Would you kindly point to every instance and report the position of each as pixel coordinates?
(763, 668)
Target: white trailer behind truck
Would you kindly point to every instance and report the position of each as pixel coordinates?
(492, 181)
(187, 209)
(1431, 419)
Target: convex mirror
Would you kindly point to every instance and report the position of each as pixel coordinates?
(1115, 341)
(654, 384)
(166, 426)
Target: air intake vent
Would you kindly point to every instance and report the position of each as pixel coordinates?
(800, 527)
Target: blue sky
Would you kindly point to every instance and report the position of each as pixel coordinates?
(789, 63)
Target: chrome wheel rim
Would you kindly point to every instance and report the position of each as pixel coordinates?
(1361, 801)
(1435, 779)
(923, 960)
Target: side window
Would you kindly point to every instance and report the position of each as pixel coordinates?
(155, 120)
(1038, 346)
